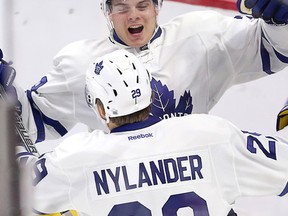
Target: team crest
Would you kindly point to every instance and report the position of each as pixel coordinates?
(164, 104)
(99, 66)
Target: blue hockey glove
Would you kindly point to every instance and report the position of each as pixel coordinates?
(282, 117)
(7, 76)
(7, 73)
(272, 11)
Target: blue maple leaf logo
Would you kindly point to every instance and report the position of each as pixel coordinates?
(164, 104)
(99, 66)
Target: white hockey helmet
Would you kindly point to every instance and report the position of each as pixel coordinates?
(107, 4)
(121, 82)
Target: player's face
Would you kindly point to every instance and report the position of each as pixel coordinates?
(134, 21)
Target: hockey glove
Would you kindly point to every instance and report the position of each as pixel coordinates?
(7, 73)
(282, 117)
(272, 11)
(7, 77)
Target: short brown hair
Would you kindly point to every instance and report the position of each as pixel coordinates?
(130, 118)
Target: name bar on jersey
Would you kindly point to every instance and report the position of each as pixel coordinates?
(136, 175)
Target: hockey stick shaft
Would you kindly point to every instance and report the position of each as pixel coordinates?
(20, 129)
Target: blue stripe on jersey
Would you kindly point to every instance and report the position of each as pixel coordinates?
(157, 34)
(265, 57)
(264, 53)
(38, 212)
(21, 154)
(281, 57)
(40, 119)
(41, 213)
(37, 118)
(55, 124)
(285, 191)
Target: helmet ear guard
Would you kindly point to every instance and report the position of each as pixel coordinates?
(90, 93)
(121, 82)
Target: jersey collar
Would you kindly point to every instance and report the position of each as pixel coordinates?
(138, 125)
(156, 35)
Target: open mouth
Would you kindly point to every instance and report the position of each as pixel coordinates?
(135, 29)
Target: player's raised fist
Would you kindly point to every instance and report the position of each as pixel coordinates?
(7, 77)
(7, 72)
(272, 11)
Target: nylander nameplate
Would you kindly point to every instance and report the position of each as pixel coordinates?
(156, 172)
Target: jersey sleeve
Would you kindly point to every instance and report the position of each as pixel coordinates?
(251, 50)
(261, 47)
(251, 45)
(261, 164)
(57, 103)
(233, 50)
(51, 186)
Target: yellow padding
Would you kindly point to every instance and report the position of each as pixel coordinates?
(282, 119)
(70, 213)
(73, 213)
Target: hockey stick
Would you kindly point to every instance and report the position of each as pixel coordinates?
(20, 129)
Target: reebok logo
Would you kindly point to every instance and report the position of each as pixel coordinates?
(140, 136)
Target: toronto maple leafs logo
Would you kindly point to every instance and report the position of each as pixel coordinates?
(164, 104)
(99, 66)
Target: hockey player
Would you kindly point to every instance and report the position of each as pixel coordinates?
(193, 60)
(146, 167)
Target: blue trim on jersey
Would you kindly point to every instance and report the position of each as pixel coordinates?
(242, 16)
(285, 191)
(21, 154)
(281, 57)
(37, 118)
(138, 125)
(265, 57)
(38, 212)
(116, 38)
(156, 35)
(55, 124)
(42, 213)
(264, 53)
(40, 119)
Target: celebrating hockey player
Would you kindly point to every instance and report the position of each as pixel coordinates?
(146, 167)
(193, 60)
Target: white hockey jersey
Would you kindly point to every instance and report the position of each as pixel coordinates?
(193, 59)
(197, 163)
